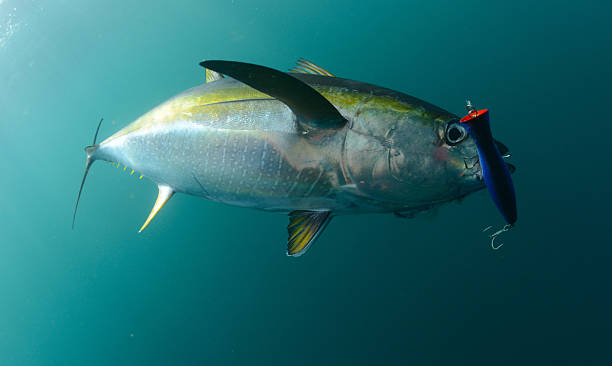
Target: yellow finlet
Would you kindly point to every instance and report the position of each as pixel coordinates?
(165, 192)
(132, 172)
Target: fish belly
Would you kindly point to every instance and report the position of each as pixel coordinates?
(244, 156)
(267, 170)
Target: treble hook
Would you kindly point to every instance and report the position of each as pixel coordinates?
(494, 236)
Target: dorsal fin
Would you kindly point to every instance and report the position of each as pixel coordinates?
(306, 67)
(310, 107)
(304, 228)
(212, 76)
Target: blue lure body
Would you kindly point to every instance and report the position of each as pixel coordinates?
(494, 169)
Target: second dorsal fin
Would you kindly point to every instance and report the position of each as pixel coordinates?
(212, 76)
(310, 107)
(306, 67)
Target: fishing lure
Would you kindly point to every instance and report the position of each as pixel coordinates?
(494, 170)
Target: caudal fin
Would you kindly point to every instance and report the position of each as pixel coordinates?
(90, 159)
(76, 206)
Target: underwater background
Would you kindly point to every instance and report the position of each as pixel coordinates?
(211, 284)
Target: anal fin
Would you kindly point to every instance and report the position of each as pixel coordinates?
(165, 193)
(304, 228)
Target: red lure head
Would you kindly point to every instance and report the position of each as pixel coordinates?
(475, 116)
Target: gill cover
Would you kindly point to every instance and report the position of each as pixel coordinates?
(494, 169)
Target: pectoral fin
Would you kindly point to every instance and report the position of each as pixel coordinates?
(165, 192)
(304, 228)
(310, 107)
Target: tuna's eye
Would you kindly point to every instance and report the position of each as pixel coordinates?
(455, 133)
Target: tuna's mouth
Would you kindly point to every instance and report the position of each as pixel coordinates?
(472, 164)
(472, 167)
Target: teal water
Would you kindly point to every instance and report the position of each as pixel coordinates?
(210, 284)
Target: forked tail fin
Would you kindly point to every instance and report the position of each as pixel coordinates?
(90, 159)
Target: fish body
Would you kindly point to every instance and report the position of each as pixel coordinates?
(233, 143)
(227, 142)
